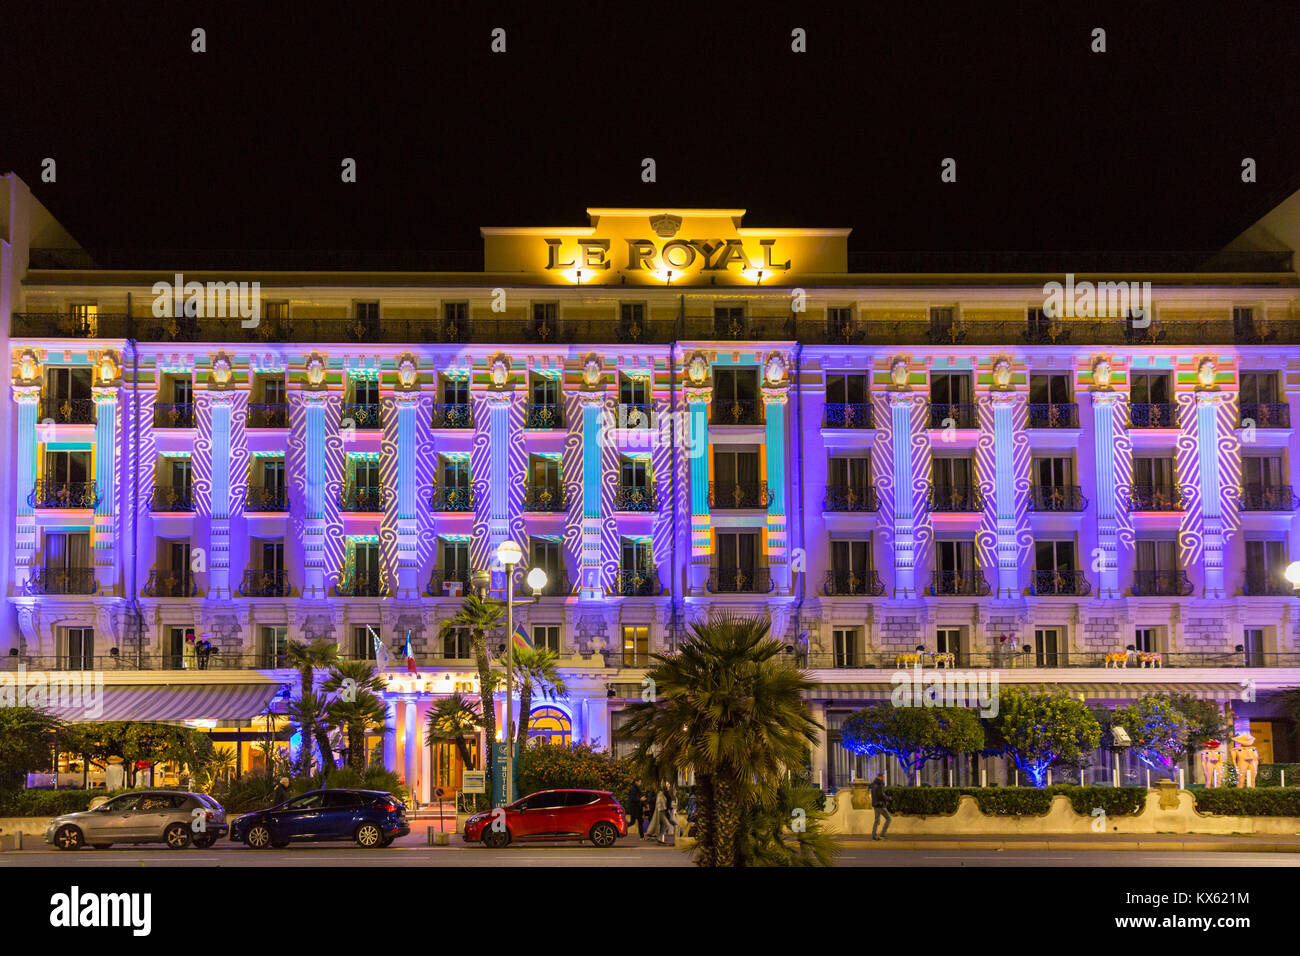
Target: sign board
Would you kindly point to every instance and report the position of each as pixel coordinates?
(473, 781)
(499, 795)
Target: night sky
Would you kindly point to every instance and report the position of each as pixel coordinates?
(1057, 148)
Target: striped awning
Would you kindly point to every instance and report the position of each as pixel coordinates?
(170, 702)
(1108, 690)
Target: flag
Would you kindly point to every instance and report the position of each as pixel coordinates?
(522, 641)
(410, 655)
(381, 652)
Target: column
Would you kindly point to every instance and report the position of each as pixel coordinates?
(1207, 452)
(592, 452)
(219, 539)
(1103, 436)
(408, 565)
(904, 512)
(499, 478)
(1005, 496)
(697, 401)
(313, 535)
(778, 557)
(28, 398)
(105, 537)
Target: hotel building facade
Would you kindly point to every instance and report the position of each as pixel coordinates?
(673, 414)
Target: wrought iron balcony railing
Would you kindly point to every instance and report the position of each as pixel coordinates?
(858, 583)
(960, 415)
(68, 411)
(62, 581)
(854, 498)
(49, 493)
(1267, 498)
(748, 580)
(635, 583)
(165, 498)
(1056, 498)
(1260, 584)
(544, 498)
(848, 415)
(635, 498)
(736, 411)
(1156, 498)
(1061, 582)
(738, 496)
(1053, 415)
(1266, 414)
(262, 583)
(173, 415)
(544, 415)
(1161, 584)
(440, 577)
(955, 498)
(362, 415)
(635, 415)
(1153, 415)
(69, 325)
(959, 583)
(361, 585)
(266, 499)
(443, 498)
(557, 584)
(268, 415)
(364, 498)
(453, 415)
(171, 582)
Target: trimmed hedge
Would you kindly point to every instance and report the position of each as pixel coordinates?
(923, 801)
(1011, 801)
(1115, 801)
(1249, 802)
(48, 803)
(1017, 801)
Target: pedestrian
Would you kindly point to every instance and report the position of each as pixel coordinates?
(670, 815)
(281, 792)
(646, 803)
(656, 803)
(692, 811)
(634, 807)
(659, 822)
(880, 803)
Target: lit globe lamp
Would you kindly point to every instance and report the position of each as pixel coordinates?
(1292, 574)
(510, 554)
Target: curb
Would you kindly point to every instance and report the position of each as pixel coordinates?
(1204, 847)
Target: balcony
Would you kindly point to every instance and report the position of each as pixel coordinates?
(173, 415)
(635, 416)
(1155, 498)
(364, 498)
(1266, 414)
(751, 580)
(171, 582)
(69, 325)
(62, 581)
(68, 411)
(262, 583)
(635, 498)
(1053, 415)
(1052, 582)
(643, 583)
(49, 493)
(854, 583)
(1263, 584)
(442, 498)
(439, 578)
(268, 415)
(1153, 415)
(858, 499)
(165, 498)
(736, 411)
(956, 498)
(362, 585)
(1060, 498)
(765, 328)
(1161, 584)
(961, 415)
(751, 495)
(266, 499)
(557, 584)
(454, 415)
(1266, 498)
(959, 584)
(543, 415)
(848, 415)
(366, 415)
(544, 498)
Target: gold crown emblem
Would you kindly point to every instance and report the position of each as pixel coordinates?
(665, 226)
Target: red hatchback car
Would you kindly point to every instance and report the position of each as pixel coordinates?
(552, 815)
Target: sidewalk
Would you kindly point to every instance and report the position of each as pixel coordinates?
(1195, 842)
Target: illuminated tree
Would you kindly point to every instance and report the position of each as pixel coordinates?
(1038, 729)
(1158, 730)
(912, 735)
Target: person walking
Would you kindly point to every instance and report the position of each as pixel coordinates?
(281, 792)
(670, 816)
(659, 822)
(646, 804)
(880, 803)
(634, 807)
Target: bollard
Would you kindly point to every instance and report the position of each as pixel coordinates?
(429, 835)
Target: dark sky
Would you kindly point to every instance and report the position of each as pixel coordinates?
(1057, 147)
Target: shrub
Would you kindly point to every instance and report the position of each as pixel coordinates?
(1011, 801)
(552, 767)
(1249, 802)
(1115, 801)
(48, 803)
(923, 801)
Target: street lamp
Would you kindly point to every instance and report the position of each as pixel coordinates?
(1292, 574)
(509, 554)
(536, 580)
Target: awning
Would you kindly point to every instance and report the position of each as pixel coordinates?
(168, 702)
(1109, 690)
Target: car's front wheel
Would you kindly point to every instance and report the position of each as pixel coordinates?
(177, 836)
(495, 839)
(69, 837)
(603, 834)
(258, 836)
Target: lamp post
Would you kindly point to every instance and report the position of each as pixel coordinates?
(509, 554)
(1292, 574)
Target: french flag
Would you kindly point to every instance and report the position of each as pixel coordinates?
(410, 655)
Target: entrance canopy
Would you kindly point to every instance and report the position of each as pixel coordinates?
(168, 702)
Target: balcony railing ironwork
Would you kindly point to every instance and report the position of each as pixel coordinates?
(173, 415)
(257, 498)
(860, 583)
(453, 415)
(268, 415)
(439, 578)
(265, 583)
(739, 496)
(639, 415)
(544, 415)
(1061, 582)
(953, 415)
(445, 498)
(848, 415)
(959, 583)
(171, 582)
(635, 583)
(546, 498)
(635, 498)
(50, 493)
(557, 584)
(1260, 584)
(362, 415)
(167, 498)
(1153, 415)
(68, 411)
(364, 498)
(1056, 498)
(62, 581)
(945, 497)
(1265, 414)
(1156, 498)
(851, 498)
(361, 585)
(1267, 498)
(736, 411)
(1053, 415)
(736, 580)
(1161, 584)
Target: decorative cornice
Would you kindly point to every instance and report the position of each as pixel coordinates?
(698, 394)
(1108, 397)
(104, 393)
(27, 394)
(900, 397)
(776, 394)
(499, 396)
(406, 399)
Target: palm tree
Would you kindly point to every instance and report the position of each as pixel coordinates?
(311, 713)
(358, 706)
(535, 669)
(306, 658)
(730, 708)
(480, 615)
(453, 718)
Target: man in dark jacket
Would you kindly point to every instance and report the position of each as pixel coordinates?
(634, 806)
(880, 803)
(281, 792)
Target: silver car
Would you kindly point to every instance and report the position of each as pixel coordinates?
(174, 817)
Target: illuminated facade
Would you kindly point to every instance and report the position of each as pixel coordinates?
(672, 414)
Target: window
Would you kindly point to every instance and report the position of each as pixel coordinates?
(1046, 640)
(632, 319)
(839, 324)
(943, 322)
(850, 472)
(737, 550)
(273, 645)
(365, 472)
(955, 557)
(366, 315)
(455, 391)
(1049, 389)
(729, 321)
(1261, 471)
(951, 398)
(1252, 643)
(455, 560)
(634, 473)
(545, 391)
(952, 472)
(455, 325)
(736, 480)
(847, 651)
(636, 556)
(846, 389)
(365, 391)
(67, 385)
(85, 319)
(1243, 320)
(545, 320)
(174, 647)
(64, 467)
(1054, 568)
(636, 645)
(545, 554)
(633, 390)
(1259, 387)
(1053, 472)
(547, 637)
(1156, 556)
(363, 642)
(1145, 640)
(79, 645)
(273, 479)
(947, 640)
(735, 396)
(273, 390)
(1149, 388)
(182, 390)
(1266, 563)
(67, 551)
(276, 314)
(851, 568)
(456, 643)
(455, 473)
(366, 577)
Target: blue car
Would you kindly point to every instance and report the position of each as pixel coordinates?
(370, 817)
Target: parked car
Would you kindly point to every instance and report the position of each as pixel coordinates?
(370, 817)
(174, 817)
(550, 815)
